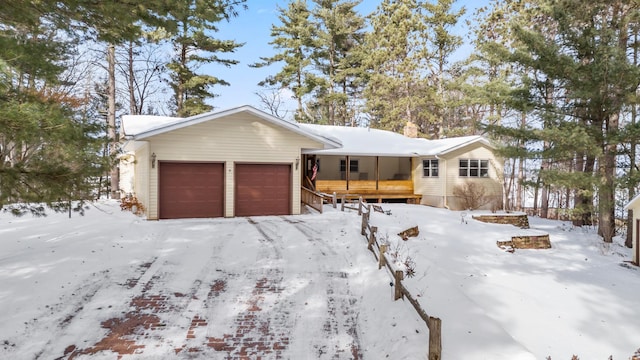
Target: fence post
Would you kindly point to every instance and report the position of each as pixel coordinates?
(342, 203)
(435, 338)
(399, 276)
(372, 237)
(360, 205)
(382, 261)
(335, 200)
(365, 223)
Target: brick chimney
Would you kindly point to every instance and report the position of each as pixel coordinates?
(411, 130)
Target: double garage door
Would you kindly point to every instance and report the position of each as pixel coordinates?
(196, 190)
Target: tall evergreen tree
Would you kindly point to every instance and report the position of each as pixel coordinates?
(49, 153)
(398, 53)
(575, 55)
(338, 61)
(441, 19)
(194, 46)
(293, 39)
(486, 83)
(48, 149)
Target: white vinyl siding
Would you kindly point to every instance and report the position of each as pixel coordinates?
(134, 177)
(438, 191)
(142, 175)
(239, 138)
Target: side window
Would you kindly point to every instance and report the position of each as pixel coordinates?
(353, 165)
(484, 168)
(473, 168)
(464, 168)
(430, 168)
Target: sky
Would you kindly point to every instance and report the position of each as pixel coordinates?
(307, 286)
(252, 27)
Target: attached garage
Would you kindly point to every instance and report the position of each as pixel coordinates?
(236, 162)
(263, 189)
(190, 190)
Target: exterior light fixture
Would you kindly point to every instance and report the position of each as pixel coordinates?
(153, 160)
(297, 162)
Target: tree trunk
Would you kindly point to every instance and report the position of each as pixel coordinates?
(536, 194)
(544, 201)
(546, 163)
(508, 187)
(133, 104)
(180, 86)
(632, 156)
(607, 226)
(577, 216)
(519, 187)
(111, 122)
(606, 203)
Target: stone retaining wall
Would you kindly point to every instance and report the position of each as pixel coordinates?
(520, 220)
(531, 242)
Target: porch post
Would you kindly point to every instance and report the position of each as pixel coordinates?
(637, 244)
(347, 170)
(377, 171)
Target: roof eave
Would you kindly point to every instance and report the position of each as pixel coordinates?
(347, 153)
(327, 142)
(466, 143)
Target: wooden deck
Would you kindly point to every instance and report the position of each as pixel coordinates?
(370, 189)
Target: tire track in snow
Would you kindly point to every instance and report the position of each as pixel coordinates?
(66, 310)
(259, 326)
(156, 311)
(270, 237)
(312, 235)
(340, 327)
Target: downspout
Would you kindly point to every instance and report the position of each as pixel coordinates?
(444, 183)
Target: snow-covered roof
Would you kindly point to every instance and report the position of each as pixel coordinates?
(140, 127)
(373, 142)
(338, 140)
(364, 141)
(137, 124)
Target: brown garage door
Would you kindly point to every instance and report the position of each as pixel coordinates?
(190, 190)
(263, 189)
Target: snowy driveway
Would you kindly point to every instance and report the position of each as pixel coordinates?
(109, 285)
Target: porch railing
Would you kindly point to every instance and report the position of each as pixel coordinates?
(312, 198)
(365, 187)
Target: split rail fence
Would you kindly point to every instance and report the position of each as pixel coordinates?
(400, 292)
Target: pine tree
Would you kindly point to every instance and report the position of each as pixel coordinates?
(398, 54)
(49, 150)
(50, 153)
(574, 55)
(338, 61)
(193, 45)
(293, 39)
(441, 18)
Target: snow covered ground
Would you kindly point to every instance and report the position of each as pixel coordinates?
(306, 287)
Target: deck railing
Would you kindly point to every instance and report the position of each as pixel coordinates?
(365, 187)
(312, 198)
